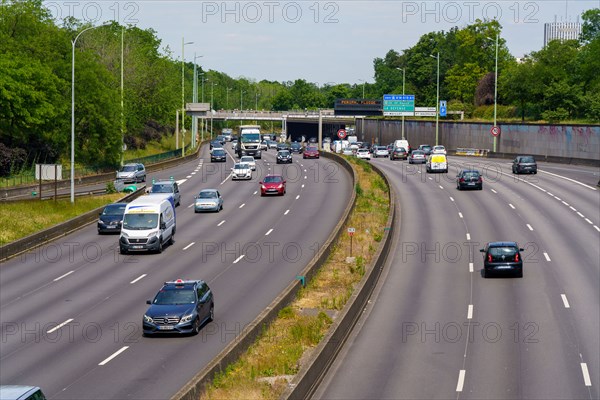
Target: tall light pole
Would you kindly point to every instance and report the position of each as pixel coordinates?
(256, 101)
(122, 98)
(203, 119)
(437, 99)
(212, 89)
(73, 42)
(403, 80)
(495, 88)
(242, 99)
(227, 98)
(363, 85)
(183, 43)
(195, 100)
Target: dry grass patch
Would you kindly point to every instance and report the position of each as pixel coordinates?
(260, 373)
(23, 218)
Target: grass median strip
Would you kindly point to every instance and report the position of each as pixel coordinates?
(265, 369)
(23, 218)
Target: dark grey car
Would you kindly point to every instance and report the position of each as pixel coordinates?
(501, 257)
(524, 165)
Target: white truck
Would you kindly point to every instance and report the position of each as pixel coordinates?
(148, 224)
(249, 142)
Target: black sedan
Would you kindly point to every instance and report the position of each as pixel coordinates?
(111, 218)
(283, 146)
(284, 157)
(218, 155)
(501, 257)
(296, 147)
(469, 179)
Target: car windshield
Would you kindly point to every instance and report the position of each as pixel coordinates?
(417, 153)
(295, 144)
(175, 297)
(311, 149)
(219, 152)
(128, 168)
(527, 160)
(207, 195)
(273, 179)
(499, 252)
(439, 147)
(114, 209)
(471, 174)
(241, 166)
(251, 138)
(399, 149)
(247, 159)
(140, 221)
(162, 188)
(283, 153)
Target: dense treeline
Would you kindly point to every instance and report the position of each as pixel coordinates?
(556, 83)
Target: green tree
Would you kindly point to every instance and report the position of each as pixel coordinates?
(461, 81)
(590, 29)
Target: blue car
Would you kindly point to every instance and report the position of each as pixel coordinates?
(181, 307)
(111, 218)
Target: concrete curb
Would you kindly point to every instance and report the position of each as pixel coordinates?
(196, 386)
(309, 377)
(37, 239)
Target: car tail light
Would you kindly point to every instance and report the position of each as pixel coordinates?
(489, 258)
(517, 257)
(461, 180)
(480, 179)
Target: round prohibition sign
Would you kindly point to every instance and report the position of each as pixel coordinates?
(341, 133)
(495, 131)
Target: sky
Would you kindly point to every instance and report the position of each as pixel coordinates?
(324, 42)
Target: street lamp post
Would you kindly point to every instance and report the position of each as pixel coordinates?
(363, 85)
(227, 98)
(242, 99)
(203, 119)
(495, 89)
(195, 100)
(73, 42)
(437, 99)
(403, 80)
(212, 88)
(183, 43)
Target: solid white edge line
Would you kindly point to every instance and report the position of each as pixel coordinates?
(122, 349)
(468, 237)
(57, 327)
(286, 212)
(63, 276)
(138, 278)
(221, 223)
(586, 375)
(470, 312)
(238, 259)
(530, 227)
(189, 245)
(568, 179)
(269, 232)
(470, 267)
(460, 215)
(461, 380)
(511, 206)
(565, 301)
(242, 205)
(547, 257)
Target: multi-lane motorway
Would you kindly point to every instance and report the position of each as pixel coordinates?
(71, 311)
(436, 329)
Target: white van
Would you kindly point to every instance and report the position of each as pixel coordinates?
(148, 224)
(403, 143)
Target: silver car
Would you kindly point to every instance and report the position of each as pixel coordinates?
(208, 200)
(134, 172)
(167, 186)
(241, 171)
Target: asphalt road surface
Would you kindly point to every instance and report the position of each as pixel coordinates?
(436, 329)
(71, 311)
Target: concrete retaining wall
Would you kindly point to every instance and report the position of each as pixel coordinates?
(197, 385)
(555, 142)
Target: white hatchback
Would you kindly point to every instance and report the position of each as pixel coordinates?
(363, 153)
(438, 150)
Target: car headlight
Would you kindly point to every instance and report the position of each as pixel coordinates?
(186, 318)
(100, 221)
(148, 319)
(124, 234)
(263, 187)
(280, 186)
(153, 234)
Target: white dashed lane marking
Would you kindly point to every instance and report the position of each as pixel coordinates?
(122, 349)
(138, 279)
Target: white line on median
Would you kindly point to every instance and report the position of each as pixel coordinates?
(468, 237)
(57, 327)
(138, 278)
(461, 380)
(286, 212)
(189, 245)
(122, 349)
(586, 375)
(238, 259)
(62, 276)
(565, 301)
(530, 227)
(470, 267)
(511, 206)
(221, 223)
(269, 232)
(547, 257)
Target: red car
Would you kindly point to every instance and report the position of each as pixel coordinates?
(272, 184)
(311, 152)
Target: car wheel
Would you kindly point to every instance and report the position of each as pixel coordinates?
(172, 239)
(211, 313)
(458, 187)
(122, 250)
(520, 274)
(535, 172)
(486, 274)
(160, 246)
(481, 187)
(196, 326)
